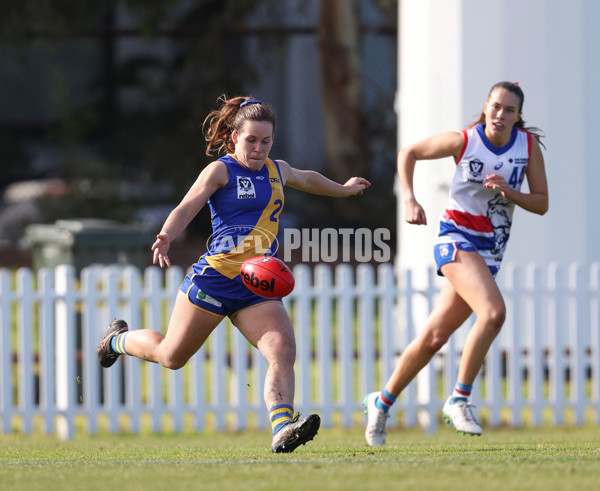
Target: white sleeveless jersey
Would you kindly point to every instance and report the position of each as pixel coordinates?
(477, 214)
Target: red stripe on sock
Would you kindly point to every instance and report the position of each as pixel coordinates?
(462, 392)
(384, 400)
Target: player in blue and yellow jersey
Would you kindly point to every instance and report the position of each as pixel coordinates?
(244, 190)
(492, 157)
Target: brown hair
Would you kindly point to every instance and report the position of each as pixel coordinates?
(230, 116)
(516, 90)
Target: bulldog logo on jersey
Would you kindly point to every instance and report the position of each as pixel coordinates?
(444, 250)
(245, 188)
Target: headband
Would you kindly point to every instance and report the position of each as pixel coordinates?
(250, 101)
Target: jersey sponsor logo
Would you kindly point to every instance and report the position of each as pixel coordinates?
(274, 179)
(498, 165)
(245, 188)
(522, 161)
(205, 297)
(256, 282)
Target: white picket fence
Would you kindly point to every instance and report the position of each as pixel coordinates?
(350, 325)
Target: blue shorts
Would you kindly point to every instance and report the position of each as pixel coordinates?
(445, 252)
(209, 290)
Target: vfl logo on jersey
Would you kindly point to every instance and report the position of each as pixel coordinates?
(475, 171)
(245, 188)
(475, 168)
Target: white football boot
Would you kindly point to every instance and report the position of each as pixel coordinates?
(460, 415)
(376, 420)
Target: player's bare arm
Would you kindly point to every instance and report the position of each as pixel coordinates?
(315, 183)
(213, 177)
(448, 144)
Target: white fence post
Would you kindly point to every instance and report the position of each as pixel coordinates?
(409, 394)
(302, 322)
(6, 354)
(324, 334)
(595, 338)
(557, 320)
(365, 279)
(47, 348)
(65, 329)
(536, 343)
(579, 338)
(345, 330)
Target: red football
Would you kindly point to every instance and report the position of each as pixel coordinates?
(267, 276)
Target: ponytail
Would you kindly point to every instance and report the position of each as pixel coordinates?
(231, 115)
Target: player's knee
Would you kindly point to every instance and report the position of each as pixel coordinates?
(498, 316)
(281, 353)
(430, 341)
(494, 317)
(173, 362)
(435, 342)
(287, 351)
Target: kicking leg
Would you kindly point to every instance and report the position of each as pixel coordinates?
(189, 327)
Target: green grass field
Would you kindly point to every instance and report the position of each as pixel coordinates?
(541, 458)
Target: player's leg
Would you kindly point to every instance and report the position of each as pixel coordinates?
(188, 329)
(449, 313)
(472, 280)
(268, 327)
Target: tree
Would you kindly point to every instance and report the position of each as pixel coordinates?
(347, 150)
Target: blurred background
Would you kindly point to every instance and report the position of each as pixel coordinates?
(102, 103)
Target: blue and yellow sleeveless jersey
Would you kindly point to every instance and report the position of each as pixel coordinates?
(245, 216)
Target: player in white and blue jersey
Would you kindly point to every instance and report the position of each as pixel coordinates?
(480, 217)
(244, 190)
(492, 156)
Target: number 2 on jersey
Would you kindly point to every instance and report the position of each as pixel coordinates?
(278, 205)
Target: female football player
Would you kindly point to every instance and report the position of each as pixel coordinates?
(244, 190)
(492, 157)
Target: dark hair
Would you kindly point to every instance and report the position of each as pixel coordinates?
(517, 91)
(231, 115)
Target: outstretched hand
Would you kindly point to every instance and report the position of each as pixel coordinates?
(356, 185)
(161, 248)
